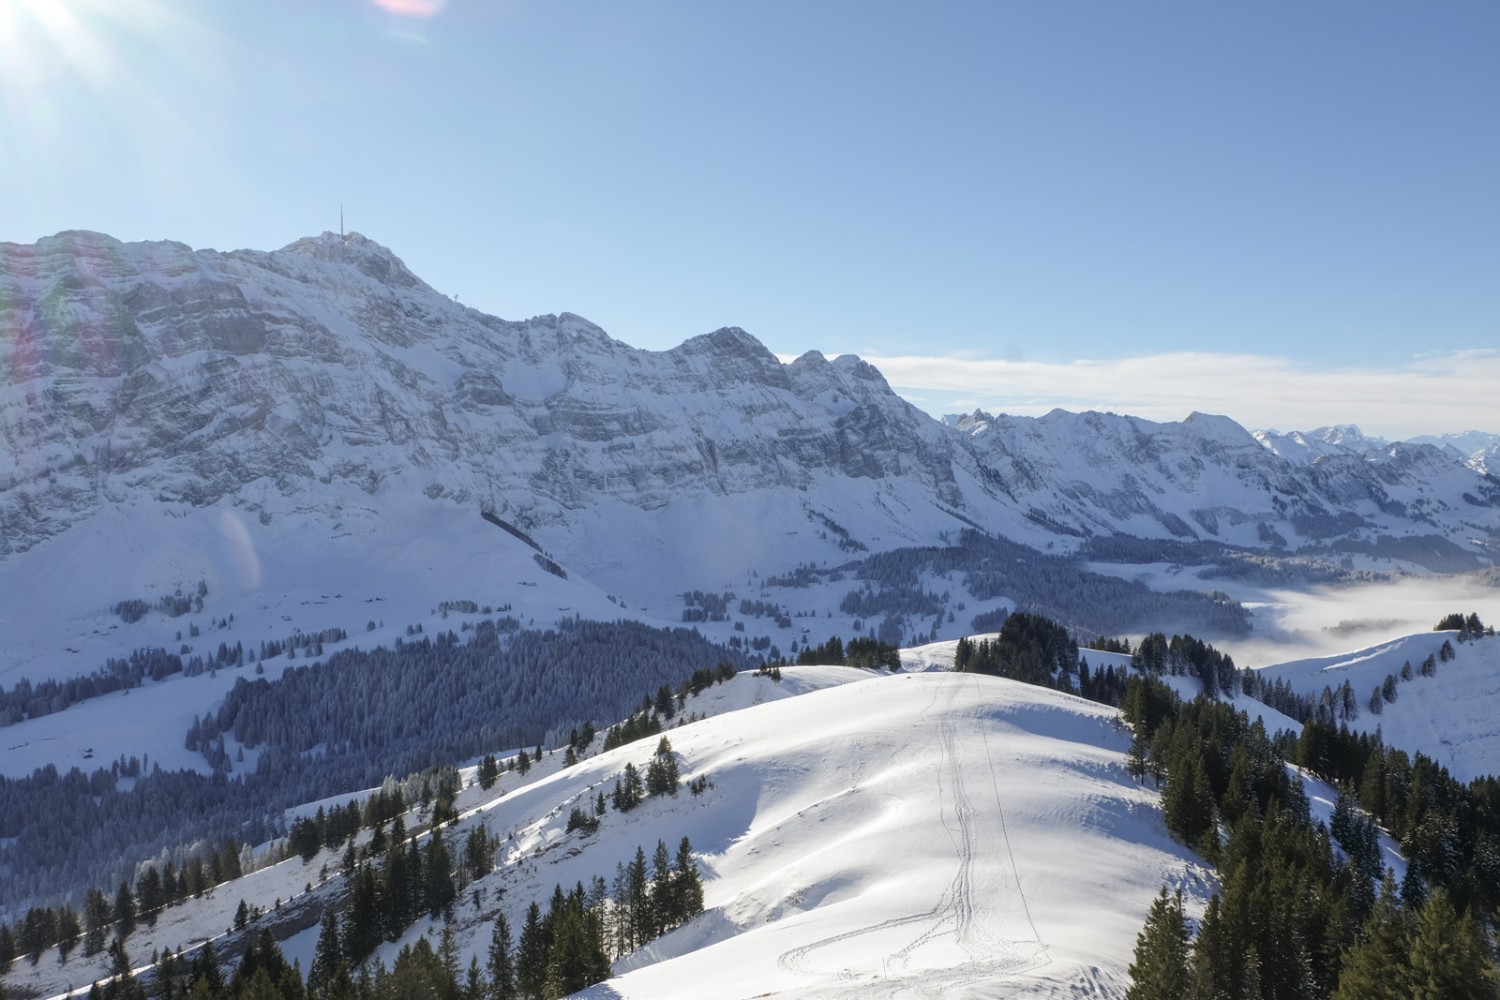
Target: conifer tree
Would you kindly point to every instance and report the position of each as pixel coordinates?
(576, 959)
(662, 911)
(68, 930)
(501, 963)
(531, 956)
(123, 984)
(489, 772)
(474, 986)
(1448, 955)
(329, 954)
(661, 773)
(479, 853)
(1214, 956)
(148, 894)
(628, 790)
(1188, 800)
(1135, 757)
(1159, 970)
(636, 902)
(1377, 967)
(96, 917)
(437, 867)
(124, 911)
(448, 954)
(164, 985)
(688, 884)
(363, 921)
(206, 970)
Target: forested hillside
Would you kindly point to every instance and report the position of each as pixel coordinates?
(330, 727)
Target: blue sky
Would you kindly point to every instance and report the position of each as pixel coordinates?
(1288, 212)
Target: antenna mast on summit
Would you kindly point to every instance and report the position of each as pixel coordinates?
(341, 220)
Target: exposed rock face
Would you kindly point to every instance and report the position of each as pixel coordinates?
(131, 371)
(192, 376)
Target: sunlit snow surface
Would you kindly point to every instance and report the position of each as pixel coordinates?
(926, 834)
(930, 834)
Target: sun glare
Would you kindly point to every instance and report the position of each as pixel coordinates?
(39, 39)
(66, 66)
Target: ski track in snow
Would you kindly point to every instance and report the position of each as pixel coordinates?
(991, 955)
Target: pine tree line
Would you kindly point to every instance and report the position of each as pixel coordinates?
(560, 950)
(396, 710)
(1057, 587)
(43, 928)
(1295, 919)
(860, 651)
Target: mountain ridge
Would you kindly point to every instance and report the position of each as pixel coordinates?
(154, 373)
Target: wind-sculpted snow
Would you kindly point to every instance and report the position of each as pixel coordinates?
(909, 835)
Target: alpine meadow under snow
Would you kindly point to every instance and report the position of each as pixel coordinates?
(284, 531)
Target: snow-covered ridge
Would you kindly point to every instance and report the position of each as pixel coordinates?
(150, 371)
(861, 835)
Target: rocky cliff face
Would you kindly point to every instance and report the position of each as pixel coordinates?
(153, 372)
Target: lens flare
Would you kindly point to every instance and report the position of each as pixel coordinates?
(241, 549)
(412, 8)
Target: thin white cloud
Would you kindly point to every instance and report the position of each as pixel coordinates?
(1433, 394)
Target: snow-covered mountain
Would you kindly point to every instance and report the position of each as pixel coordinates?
(154, 374)
(1476, 449)
(1208, 479)
(1480, 449)
(1302, 447)
(312, 435)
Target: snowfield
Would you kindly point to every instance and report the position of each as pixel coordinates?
(914, 835)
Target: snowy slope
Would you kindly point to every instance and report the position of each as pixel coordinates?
(1450, 717)
(931, 834)
(863, 835)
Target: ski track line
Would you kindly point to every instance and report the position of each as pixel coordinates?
(989, 956)
(795, 959)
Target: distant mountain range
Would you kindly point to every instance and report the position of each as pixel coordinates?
(151, 373)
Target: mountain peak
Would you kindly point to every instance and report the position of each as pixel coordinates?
(366, 255)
